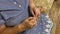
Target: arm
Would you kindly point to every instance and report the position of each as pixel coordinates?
(6, 30)
(14, 30)
(2, 28)
(27, 24)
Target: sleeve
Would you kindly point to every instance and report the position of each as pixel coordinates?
(15, 17)
(15, 20)
(14, 14)
(1, 20)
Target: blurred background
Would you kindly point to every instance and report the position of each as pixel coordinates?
(51, 8)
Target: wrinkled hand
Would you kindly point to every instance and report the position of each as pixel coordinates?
(30, 22)
(26, 24)
(35, 10)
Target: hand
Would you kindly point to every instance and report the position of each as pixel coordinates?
(30, 22)
(26, 24)
(35, 10)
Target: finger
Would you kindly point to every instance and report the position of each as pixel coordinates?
(37, 11)
(33, 20)
(33, 23)
(32, 12)
(28, 19)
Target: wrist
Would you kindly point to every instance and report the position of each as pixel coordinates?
(21, 27)
(2, 28)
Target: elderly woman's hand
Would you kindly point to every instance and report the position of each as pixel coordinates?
(26, 24)
(30, 22)
(33, 9)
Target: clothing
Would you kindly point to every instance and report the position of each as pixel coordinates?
(13, 11)
(44, 26)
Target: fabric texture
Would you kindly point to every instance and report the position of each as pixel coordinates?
(14, 13)
(42, 27)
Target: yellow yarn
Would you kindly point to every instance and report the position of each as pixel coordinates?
(45, 4)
